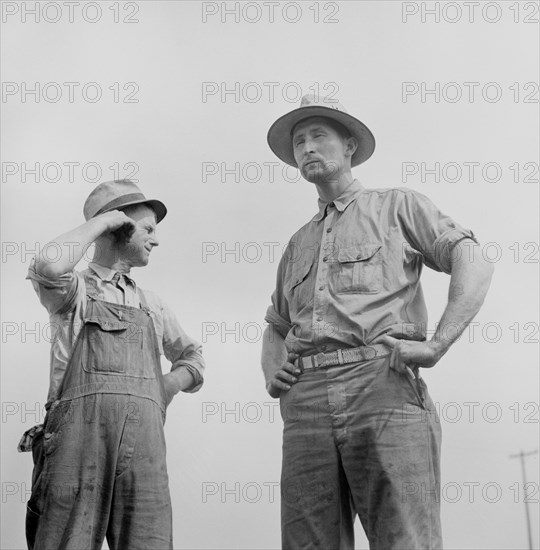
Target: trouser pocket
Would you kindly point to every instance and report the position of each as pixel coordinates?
(31, 527)
(415, 383)
(34, 505)
(58, 415)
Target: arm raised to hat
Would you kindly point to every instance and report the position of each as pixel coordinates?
(67, 249)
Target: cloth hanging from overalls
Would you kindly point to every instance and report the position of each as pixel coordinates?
(99, 462)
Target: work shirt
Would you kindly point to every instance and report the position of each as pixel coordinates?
(65, 299)
(352, 273)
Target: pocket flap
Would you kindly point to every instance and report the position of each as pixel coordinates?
(108, 324)
(299, 273)
(358, 253)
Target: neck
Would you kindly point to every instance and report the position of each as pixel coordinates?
(332, 189)
(111, 257)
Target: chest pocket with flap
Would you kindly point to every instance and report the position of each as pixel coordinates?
(298, 293)
(359, 269)
(114, 346)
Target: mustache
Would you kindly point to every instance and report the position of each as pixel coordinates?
(329, 166)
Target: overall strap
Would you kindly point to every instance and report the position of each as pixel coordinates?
(91, 289)
(143, 301)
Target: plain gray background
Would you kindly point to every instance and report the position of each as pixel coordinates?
(224, 443)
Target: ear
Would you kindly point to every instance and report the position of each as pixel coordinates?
(351, 145)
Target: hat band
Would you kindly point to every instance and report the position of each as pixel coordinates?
(120, 201)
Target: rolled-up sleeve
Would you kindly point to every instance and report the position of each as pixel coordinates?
(277, 314)
(429, 231)
(181, 350)
(56, 294)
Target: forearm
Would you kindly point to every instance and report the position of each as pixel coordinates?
(274, 353)
(180, 379)
(193, 363)
(469, 282)
(72, 245)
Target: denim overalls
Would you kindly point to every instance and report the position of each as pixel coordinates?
(100, 468)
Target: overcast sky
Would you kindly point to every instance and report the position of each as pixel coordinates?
(179, 96)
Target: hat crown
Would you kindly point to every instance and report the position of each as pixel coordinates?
(280, 133)
(107, 192)
(311, 100)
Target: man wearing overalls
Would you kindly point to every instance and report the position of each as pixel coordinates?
(347, 338)
(100, 469)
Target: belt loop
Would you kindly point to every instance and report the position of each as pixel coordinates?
(340, 357)
(314, 361)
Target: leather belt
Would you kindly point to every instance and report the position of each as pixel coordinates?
(342, 357)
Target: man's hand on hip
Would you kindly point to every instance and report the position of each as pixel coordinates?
(171, 387)
(284, 378)
(411, 354)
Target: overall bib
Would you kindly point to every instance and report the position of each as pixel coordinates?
(99, 463)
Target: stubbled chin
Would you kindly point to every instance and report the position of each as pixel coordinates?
(313, 176)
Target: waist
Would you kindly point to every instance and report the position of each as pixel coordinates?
(342, 356)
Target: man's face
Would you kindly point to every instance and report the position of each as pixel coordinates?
(321, 152)
(136, 251)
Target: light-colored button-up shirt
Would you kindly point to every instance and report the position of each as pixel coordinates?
(65, 299)
(352, 273)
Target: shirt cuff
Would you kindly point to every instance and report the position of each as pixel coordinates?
(444, 246)
(57, 294)
(281, 325)
(195, 373)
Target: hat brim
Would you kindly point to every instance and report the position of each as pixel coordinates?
(157, 206)
(280, 139)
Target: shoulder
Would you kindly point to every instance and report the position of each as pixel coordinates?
(393, 199)
(389, 193)
(303, 232)
(85, 276)
(154, 301)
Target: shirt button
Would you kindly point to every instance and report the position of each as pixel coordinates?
(321, 288)
(325, 259)
(331, 205)
(319, 319)
(359, 257)
(329, 230)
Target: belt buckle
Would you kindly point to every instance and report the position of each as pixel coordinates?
(318, 360)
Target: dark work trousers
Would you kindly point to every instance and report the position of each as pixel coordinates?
(360, 439)
(100, 469)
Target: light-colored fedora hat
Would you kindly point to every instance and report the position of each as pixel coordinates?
(280, 133)
(117, 194)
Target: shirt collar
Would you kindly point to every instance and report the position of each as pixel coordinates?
(106, 273)
(341, 202)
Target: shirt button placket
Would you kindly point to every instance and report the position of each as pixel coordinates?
(321, 283)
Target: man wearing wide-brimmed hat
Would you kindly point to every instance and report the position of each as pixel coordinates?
(347, 340)
(100, 469)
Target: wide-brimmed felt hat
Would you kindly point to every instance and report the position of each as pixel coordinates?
(117, 194)
(280, 133)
